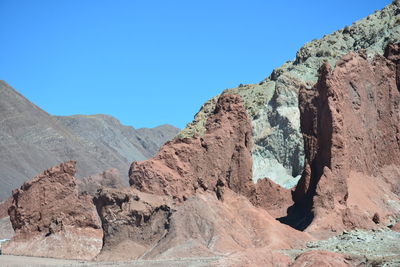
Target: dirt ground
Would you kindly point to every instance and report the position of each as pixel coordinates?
(22, 261)
(370, 248)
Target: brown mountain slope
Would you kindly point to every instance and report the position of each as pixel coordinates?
(32, 140)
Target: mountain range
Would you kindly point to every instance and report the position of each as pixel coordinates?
(32, 140)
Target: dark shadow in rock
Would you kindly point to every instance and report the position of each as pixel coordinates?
(298, 217)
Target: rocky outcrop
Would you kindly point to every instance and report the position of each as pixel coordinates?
(146, 226)
(197, 198)
(272, 197)
(35, 141)
(273, 103)
(133, 222)
(110, 178)
(221, 157)
(51, 219)
(350, 121)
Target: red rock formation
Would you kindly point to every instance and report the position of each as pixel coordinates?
(146, 226)
(393, 54)
(143, 220)
(197, 198)
(222, 156)
(350, 121)
(51, 219)
(272, 197)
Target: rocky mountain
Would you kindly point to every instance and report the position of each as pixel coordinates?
(278, 151)
(32, 140)
(196, 199)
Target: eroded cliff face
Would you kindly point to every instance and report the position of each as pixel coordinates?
(222, 156)
(278, 151)
(351, 123)
(196, 198)
(133, 222)
(51, 219)
(146, 226)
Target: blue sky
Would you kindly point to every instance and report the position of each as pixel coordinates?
(153, 62)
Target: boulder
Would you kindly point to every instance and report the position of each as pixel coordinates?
(51, 219)
(133, 222)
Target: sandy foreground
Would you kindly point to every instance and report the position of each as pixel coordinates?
(9, 260)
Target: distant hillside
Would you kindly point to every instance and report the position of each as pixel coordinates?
(31, 140)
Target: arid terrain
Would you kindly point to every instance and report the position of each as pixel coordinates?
(302, 169)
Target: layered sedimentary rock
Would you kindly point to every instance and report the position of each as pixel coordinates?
(196, 198)
(272, 104)
(51, 219)
(350, 121)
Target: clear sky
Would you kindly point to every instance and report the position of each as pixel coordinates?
(153, 62)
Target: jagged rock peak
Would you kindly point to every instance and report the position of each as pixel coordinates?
(350, 121)
(220, 157)
(273, 103)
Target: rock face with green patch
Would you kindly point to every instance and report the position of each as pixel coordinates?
(278, 151)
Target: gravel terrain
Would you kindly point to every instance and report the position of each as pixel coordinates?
(17, 261)
(366, 248)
